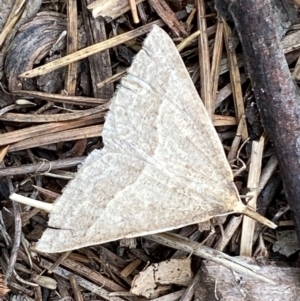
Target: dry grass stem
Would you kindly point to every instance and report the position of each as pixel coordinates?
(204, 60)
(130, 267)
(74, 284)
(219, 120)
(71, 77)
(235, 78)
(111, 79)
(86, 272)
(253, 182)
(31, 118)
(226, 91)
(13, 18)
(267, 172)
(39, 130)
(188, 40)
(134, 13)
(59, 260)
(168, 16)
(67, 135)
(170, 297)
(291, 42)
(216, 60)
(237, 139)
(75, 100)
(230, 229)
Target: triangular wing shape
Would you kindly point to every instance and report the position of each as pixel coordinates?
(162, 166)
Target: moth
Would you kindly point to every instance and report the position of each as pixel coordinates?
(162, 166)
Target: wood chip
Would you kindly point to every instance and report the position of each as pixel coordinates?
(175, 271)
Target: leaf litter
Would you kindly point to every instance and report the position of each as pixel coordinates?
(98, 268)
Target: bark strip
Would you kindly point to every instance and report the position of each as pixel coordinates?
(276, 94)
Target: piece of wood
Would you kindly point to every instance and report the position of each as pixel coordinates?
(100, 63)
(111, 9)
(158, 277)
(13, 18)
(168, 16)
(33, 43)
(29, 10)
(276, 95)
(224, 284)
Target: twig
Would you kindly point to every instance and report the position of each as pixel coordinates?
(88, 285)
(175, 241)
(275, 92)
(17, 242)
(41, 167)
(189, 293)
